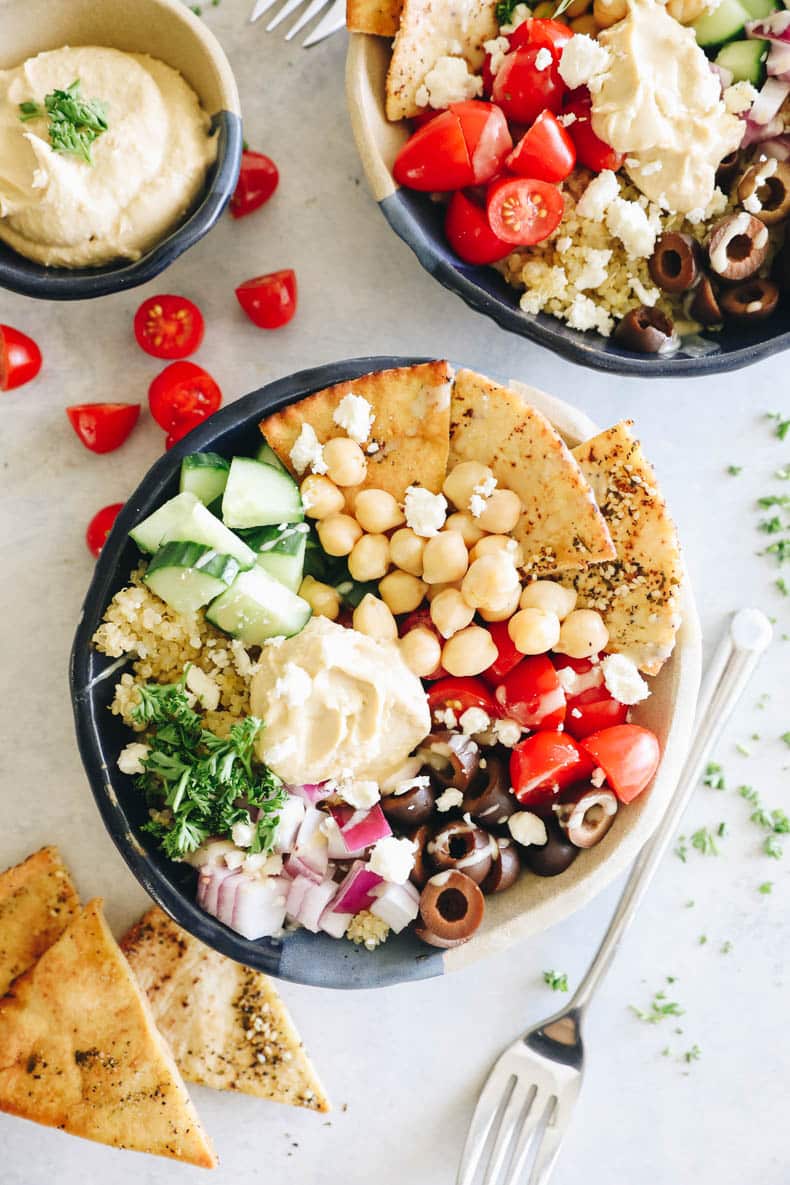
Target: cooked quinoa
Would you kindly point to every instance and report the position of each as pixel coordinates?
(367, 930)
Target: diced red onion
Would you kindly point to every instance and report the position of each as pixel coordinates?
(756, 133)
(775, 27)
(226, 898)
(766, 106)
(210, 878)
(312, 792)
(777, 147)
(355, 891)
(777, 63)
(311, 845)
(292, 814)
(336, 844)
(724, 75)
(295, 866)
(259, 907)
(314, 902)
(364, 828)
(296, 894)
(334, 924)
(397, 905)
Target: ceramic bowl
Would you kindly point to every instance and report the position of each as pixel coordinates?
(165, 29)
(530, 906)
(419, 222)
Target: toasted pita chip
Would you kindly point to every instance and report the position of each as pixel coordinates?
(79, 1051)
(561, 527)
(380, 17)
(37, 902)
(430, 30)
(411, 429)
(225, 1023)
(637, 593)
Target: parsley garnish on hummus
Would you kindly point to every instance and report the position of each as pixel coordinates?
(74, 122)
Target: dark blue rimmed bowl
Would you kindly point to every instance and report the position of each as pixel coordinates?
(529, 907)
(165, 29)
(420, 223)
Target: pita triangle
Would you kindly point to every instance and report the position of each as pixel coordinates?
(79, 1051)
(226, 1025)
(37, 902)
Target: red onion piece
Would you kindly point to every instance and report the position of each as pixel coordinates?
(777, 147)
(334, 924)
(259, 907)
(314, 902)
(775, 27)
(296, 895)
(756, 133)
(765, 107)
(364, 828)
(292, 815)
(777, 63)
(355, 892)
(312, 792)
(226, 898)
(311, 845)
(295, 866)
(210, 879)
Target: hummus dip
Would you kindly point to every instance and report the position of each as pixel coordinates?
(148, 167)
(336, 703)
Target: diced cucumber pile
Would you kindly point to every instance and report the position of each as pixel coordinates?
(724, 27)
(234, 540)
(745, 60)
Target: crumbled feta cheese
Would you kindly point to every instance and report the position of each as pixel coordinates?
(576, 713)
(476, 505)
(739, 97)
(130, 759)
(622, 679)
(753, 204)
(567, 119)
(361, 795)
(355, 416)
(648, 296)
(243, 664)
(449, 81)
(243, 834)
(392, 859)
(474, 720)
(593, 272)
(527, 829)
(507, 732)
(629, 222)
(266, 865)
(598, 196)
(446, 716)
(583, 59)
(497, 49)
(204, 687)
(586, 314)
(373, 447)
(480, 495)
(448, 799)
(543, 59)
(651, 167)
(563, 243)
(425, 512)
(294, 685)
(574, 684)
(597, 777)
(307, 451)
(422, 782)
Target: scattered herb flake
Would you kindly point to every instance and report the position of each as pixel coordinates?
(781, 549)
(771, 526)
(690, 904)
(714, 776)
(703, 841)
(693, 1054)
(734, 470)
(558, 982)
(782, 426)
(744, 750)
(781, 584)
(726, 947)
(765, 888)
(772, 847)
(681, 851)
(659, 1009)
(703, 938)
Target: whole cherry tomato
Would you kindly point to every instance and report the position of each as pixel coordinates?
(100, 526)
(523, 89)
(258, 178)
(102, 427)
(168, 326)
(628, 754)
(543, 32)
(546, 151)
(20, 358)
(544, 764)
(532, 695)
(461, 693)
(469, 234)
(590, 149)
(182, 389)
(522, 211)
(269, 301)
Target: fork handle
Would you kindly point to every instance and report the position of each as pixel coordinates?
(748, 636)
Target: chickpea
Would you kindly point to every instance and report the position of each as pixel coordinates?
(469, 652)
(346, 464)
(436, 590)
(467, 526)
(320, 496)
(548, 595)
(402, 591)
(534, 631)
(504, 611)
(450, 612)
(459, 485)
(582, 634)
(687, 11)
(338, 533)
(586, 24)
(406, 550)
(421, 651)
(576, 9)
(377, 511)
(372, 617)
(502, 512)
(609, 12)
(322, 598)
(369, 558)
(491, 582)
(445, 558)
(490, 544)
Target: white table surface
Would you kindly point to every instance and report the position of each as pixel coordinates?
(403, 1065)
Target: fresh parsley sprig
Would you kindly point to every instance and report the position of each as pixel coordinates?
(74, 122)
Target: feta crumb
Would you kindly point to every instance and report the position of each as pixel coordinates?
(392, 859)
(586, 314)
(421, 782)
(449, 81)
(355, 416)
(574, 684)
(507, 732)
(242, 834)
(425, 512)
(752, 204)
(593, 272)
(520, 13)
(567, 119)
(582, 59)
(242, 662)
(648, 296)
(307, 451)
(480, 495)
(373, 447)
(623, 680)
(294, 685)
(234, 859)
(527, 829)
(204, 687)
(543, 59)
(130, 759)
(448, 799)
(651, 167)
(597, 777)
(739, 97)
(563, 243)
(477, 504)
(361, 795)
(497, 49)
(474, 720)
(598, 196)
(446, 716)
(629, 222)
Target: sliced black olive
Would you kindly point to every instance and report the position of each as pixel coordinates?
(421, 870)
(772, 191)
(646, 330)
(704, 306)
(674, 264)
(414, 806)
(557, 854)
(451, 909)
(505, 868)
(737, 246)
(463, 846)
(727, 169)
(753, 300)
(586, 814)
(453, 758)
(488, 799)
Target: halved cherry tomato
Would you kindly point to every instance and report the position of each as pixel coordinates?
(468, 233)
(460, 694)
(435, 157)
(544, 764)
(20, 358)
(523, 90)
(507, 655)
(180, 390)
(258, 178)
(102, 427)
(488, 140)
(423, 117)
(522, 211)
(182, 427)
(168, 326)
(587, 674)
(100, 526)
(592, 710)
(269, 301)
(546, 151)
(590, 149)
(628, 754)
(532, 694)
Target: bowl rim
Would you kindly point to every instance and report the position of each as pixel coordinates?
(543, 329)
(89, 726)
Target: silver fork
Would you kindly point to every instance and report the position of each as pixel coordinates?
(333, 20)
(526, 1104)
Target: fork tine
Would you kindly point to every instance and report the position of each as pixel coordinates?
(332, 22)
(516, 1114)
(547, 1156)
(313, 9)
(543, 1112)
(492, 1101)
(261, 6)
(286, 10)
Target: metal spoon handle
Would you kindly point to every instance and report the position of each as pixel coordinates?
(748, 636)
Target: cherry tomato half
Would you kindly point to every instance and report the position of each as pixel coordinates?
(507, 655)
(590, 149)
(545, 152)
(628, 754)
(100, 526)
(592, 710)
(468, 233)
(180, 390)
(258, 179)
(488, 140)
(20, 358)
(183, 427)
(269, 301)
(103, 427)
(435, 157)
(168, 326)
(460, 694)
(532, 694)
(522, 211)
(544, 764)
(522, 89)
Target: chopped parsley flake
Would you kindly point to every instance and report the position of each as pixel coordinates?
(681, 851)
(766, 887)
(714, 776)
(703, 938)
(781, 584)
(744, 750)
(782, 426)
(693, 1054)
(556, 981)
(781, 549)
(772, 847)
(771, 526)
(749, 793)
(703, 841)
(785, 737)
(734, 470)
(726, 947)
(774, 500)
(660, 1008)
(783, 474)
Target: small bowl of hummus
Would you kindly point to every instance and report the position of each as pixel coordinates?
(120, 143)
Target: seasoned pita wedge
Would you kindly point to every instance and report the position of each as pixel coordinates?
(412, 425)
(561, 527)
(37, 902)
(430, 30)
(637, 592)
(79, 1051)
(380, 17)
(225, 1023)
